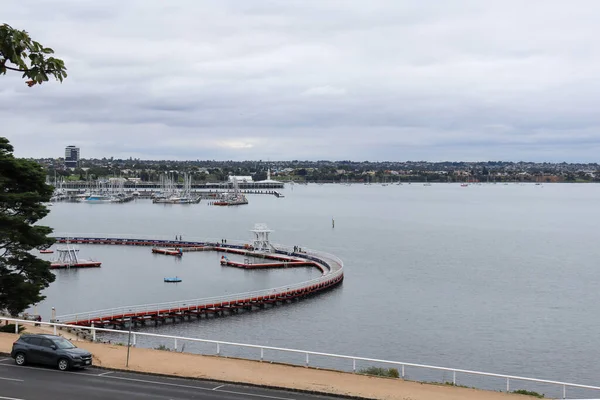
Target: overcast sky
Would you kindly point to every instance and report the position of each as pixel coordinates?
(275, 80)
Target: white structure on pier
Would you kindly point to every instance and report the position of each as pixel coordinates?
(261, 238)
(67, 255)
(269, 180)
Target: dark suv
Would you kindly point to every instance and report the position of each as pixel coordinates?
(49, 350)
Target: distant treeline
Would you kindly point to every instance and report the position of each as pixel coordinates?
(328, 171)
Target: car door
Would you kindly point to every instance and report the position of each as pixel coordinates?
(33, 349)
(47, 353)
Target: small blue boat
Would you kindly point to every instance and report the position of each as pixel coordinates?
(173, 280)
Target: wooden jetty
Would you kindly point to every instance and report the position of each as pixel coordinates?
(281, 264)
(68, 258)
(168, 252)
(119, 317)
(81, 264)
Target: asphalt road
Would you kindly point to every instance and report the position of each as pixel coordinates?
(42, 383)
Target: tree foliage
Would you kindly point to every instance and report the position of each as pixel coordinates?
(22, 193)
(23, 188)
(18, 52)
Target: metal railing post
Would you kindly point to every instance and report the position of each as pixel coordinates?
(175, 344)
(402, 371)
(16, 327)
(507, 385)
(262, 354)
(54, 329)
(307, 359)
(134, 341)
(354, 365)
(564, 391)
(93, 333)
(218, 350)
(454, 378)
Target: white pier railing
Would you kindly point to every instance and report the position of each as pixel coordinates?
(174, 306)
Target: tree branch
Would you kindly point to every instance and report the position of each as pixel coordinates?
(48, 71)
(15, 69)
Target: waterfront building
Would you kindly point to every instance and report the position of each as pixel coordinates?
(244, 179)
(269, 181)
(72, 156)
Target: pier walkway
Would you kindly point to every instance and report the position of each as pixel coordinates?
(281, 264)
(331, 267)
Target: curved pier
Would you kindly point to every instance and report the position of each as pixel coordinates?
(331, 267)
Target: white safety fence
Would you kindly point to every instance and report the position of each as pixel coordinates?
(179, 341)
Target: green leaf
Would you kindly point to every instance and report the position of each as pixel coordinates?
(20, 52)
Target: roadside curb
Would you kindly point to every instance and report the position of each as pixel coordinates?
(254, 385)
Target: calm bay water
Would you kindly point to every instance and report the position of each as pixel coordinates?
(498, 278)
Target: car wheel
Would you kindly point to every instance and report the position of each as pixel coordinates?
(20, 359)
(63, 364)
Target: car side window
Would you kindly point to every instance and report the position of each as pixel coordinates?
(47, 343)
(36, 341)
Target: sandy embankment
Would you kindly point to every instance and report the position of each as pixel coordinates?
(267, 374)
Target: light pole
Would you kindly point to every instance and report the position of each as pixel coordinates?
(128, 342)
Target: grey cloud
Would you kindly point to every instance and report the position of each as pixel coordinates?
(305, 79)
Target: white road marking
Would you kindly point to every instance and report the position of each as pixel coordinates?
(219, 387)
(155, 382)
(105, 373)
(11, 379)
(45, 370)
(196, 387)
(142, 381)
(255, 395)
(4, 359)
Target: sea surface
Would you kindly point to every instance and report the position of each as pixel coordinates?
(492, 277)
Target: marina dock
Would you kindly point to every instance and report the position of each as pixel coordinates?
(68, 258)
(76, 195)
(142, 186)
(119, 317)
(247, 264)
(168, 252)
(86, 264)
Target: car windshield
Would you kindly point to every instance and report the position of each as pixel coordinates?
(63, 344)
